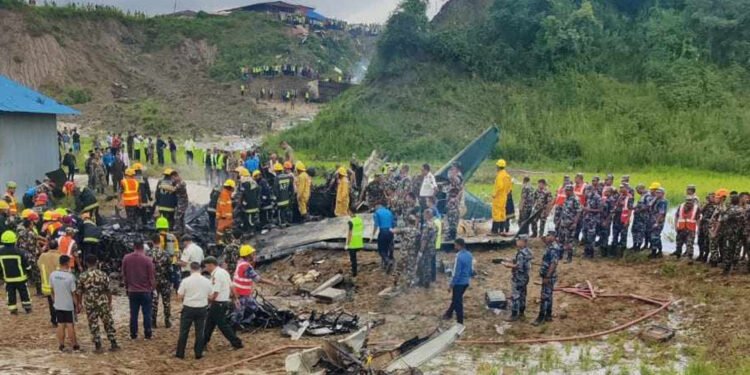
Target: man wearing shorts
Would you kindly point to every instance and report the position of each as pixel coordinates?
(63, 285)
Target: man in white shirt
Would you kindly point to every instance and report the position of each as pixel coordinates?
(189, 148)
(219, 300)
(191, 253)
(427, 190)
(194, 292)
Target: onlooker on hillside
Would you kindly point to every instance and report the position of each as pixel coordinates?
(172, 150)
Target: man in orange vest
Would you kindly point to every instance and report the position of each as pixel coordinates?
(10, 198)
(579, 188)
(559, 200)
(224, 210)
(243, 284)
(68, 246)
(130, 196)
(686, 221)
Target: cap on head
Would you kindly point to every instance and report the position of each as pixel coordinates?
(522, 237)
(187, 238)
(551, 233)
(211, 260)
(691, 187)
(722, 193)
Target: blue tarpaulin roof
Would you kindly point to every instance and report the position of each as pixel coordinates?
(311, 14)
(15, 97)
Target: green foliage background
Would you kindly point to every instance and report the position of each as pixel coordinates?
(597, 85)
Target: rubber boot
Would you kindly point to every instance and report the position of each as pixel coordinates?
(513, 317)
(539, 320)
(167, 323)
(522, 313)
(114, 347)
(98, 346)
(548, 315)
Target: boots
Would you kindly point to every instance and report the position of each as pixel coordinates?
(522, 313)
(539, 320)
(98, 346)
(548, 315)
(513, 317)
(114, 347)
(167, 323)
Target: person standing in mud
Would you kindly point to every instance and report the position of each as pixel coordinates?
(183, 201)
(717, 241)
(455, 197)
(542, 205)
(427, 250)
(640, 217)
(93, 290)
(592, 213)
(526, 207)
(548, 272)
(732, 228)
(163, 273)
(707, 211)
(570, 214)
(605, 222)
(620, 220)
(658, 216)
(521, 267)
(686, 220)
(406, 263)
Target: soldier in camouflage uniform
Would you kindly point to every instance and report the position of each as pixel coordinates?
(427, 250)
(548, 272)
(570, 214)
(640, 217)
(99, 173)
(408, 254)
(716, 234)
(621, 220)
(93, 286)
(605, 221)
(527, 205)
(163, 272)
(521, 268)
(375, 191)
(455, 197)
(732, 226)
(28, 241)
(707, 211)
(542, 205)
(592, 214)
(231, 255)
(182, 204)
(658, 214)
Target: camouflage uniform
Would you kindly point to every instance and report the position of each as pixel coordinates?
(406, 264)
(658, 209)
(231, 256)
(94, 285)
(427, 254)
(375, 193)
(717, 241)
(549, 259)
(605, 221)
(453, 206)
(527, 206)
(641, 220)
(402, 189)
(542, 200)
(100, 176)
(707, 211)
(569, 213)
(732, 227)
(520, 280)
(182, 206)
(591, 221)
(163, 268)
(27, 241)
(620, 229)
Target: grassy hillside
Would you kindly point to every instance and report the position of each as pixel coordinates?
(595, 87)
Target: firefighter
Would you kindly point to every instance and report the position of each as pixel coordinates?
(283, 188)
(144, 189)
(166, 197)
(224, 210)
(266, 199)
(130, 196)
(15, 272)
(91, 235)
(249, 201)
(86, 202)
(211, 209)
(10, 198)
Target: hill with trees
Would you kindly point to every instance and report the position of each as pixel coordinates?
(571, 83)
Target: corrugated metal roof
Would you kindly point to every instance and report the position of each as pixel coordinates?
(15, 97)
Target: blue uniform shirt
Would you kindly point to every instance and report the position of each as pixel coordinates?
(252, 164)
(383, 218)
(463, 268)
(108, 159)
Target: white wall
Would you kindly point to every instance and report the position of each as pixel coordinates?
(28, 148)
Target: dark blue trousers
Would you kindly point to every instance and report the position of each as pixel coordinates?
(140, 301)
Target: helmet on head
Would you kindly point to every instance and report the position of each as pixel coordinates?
(246, 250)
(168, 171)
(130, 172)
(287, 165)
(47, 216)
(9, 237)
(4, 205)
(501, 163)
(41, 199)
(61, 211)
(137, 167)
(722, 193)
(300, 166)
(256, 173)
(342, 171)
(230, 184)
(654, 186)
(25, 213)
(244, 173)
(33, 217)
(11, 185)
(278, 167)
(162, 223)
(55, 216)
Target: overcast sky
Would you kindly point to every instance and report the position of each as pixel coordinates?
(355, 11)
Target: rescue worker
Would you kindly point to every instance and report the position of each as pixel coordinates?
(521, 266)
(10, 197)
(355, 240)
(503, 186)
(592, 212)
(527, 205)
(49, 262)
(342, 193)
(169, 243)
(144, 190)
(165, 197)
(559, 200)
(182, 203)
(406, 263)
(707, 211)
(15, 269)
(249, 202)
(29, 241)
(68, 246)
(658, 214)
(164, 273)
(427, 251)
(621, 220)
(570, 214)
(91, 235)
(686, 220)
(130, 196)
(283, 188)
(224, 211)
(605, 222)
(266, 199)
(375, 191)
(304, 189)
(640, 216)
(690, 192)
(717, 238)
(548, 273)
(542, 206)
(579, 187)
(732, 224)
(454, 197)
(243, 283)
(93, 289)
(213, 199)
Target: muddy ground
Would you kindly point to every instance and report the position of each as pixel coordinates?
(710, 319)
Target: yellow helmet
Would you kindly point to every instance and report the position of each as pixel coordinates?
(25, 213)
(342, 171)
(61, 211)
(137, 167)
(243, 172)
(230, 183)
(4, 205)
(501, 163)
(162, 223)
(256, 173)
(47, 216)
(168, 171)
(654, 186)
(246, 250)
(9, 237)
(300, 166)
(278, 167)
(130, 172)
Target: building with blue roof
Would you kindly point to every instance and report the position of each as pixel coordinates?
(28, 133)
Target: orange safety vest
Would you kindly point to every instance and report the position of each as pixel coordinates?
(686, 220)
(625, 215)
(578, 191)
(65, 244)
(242, 285)
(53, 227)
(560, 198)
(130, 195)
(11, 203)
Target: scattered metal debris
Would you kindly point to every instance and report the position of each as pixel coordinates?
(657, 333)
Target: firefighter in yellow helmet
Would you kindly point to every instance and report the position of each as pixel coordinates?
(130, 196)
(303, 188)
(10, 197)
(283, 189)
(224, 210)
(15, 270)
(166, 196)
(342, 192)
(500, 191)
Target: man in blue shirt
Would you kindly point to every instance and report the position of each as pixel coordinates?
(252, 163)
(383, 222)
(108, 159)
(462, 273)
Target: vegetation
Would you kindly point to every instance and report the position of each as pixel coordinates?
(593, 85)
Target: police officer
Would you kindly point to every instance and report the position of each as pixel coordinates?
(93, 288)
(717, 241)
(165, 196)
(527, 205)
(15, 269)
(707, 211)
(454, 199)
(521, 268)
(640, 217)
(164, 272)
(542, 205)
(732, 227)
(658, 214)
(592, 212)
(548, 272)
(283, 188)
(29, 242)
